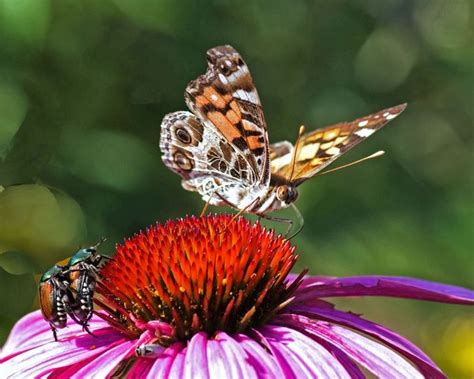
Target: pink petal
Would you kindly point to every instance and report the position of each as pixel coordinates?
(162, 365)
(107, 362)
(32, 331)
(352, 369)
(395, 341)
(259, 358)
(374, 356)
(233, 356)
(50, 356)
(391, 286)
(67, 372)
(196, 364)
(140, 369)
(304, 355)
(177, 366)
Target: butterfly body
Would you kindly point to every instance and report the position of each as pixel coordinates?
(221, 149)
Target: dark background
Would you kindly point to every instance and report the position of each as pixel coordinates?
(84, 86)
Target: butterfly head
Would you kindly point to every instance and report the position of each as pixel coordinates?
(287, 193)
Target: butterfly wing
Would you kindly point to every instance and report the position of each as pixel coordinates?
(319, 148)
(200, 155)
(225, 99)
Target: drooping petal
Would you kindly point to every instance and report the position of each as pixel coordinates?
(141, 368)
(259, 358)
(108, 361)
(32, 331)
(383, 334)
(392, 286)
(196, 364)
(47, 357)
(177, 365)
(353, 370)
(69, 371)
(228, 358)
(162, 365)
(374, 356)
(216, 358)
(301, 355)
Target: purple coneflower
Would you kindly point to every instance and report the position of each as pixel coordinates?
(213, 297)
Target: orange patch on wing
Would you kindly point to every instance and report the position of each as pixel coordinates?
(254, 143)
(214, 97)
(232, 117)
(235, 108)
(228, 130)
(201, 101)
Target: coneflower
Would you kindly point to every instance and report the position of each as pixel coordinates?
(214, 297)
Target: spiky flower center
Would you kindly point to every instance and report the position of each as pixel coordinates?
(197, 274)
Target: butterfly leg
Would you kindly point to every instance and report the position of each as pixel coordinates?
(288, 221)
(85, 328)
(206, 206)
(282, 220)
(240, 212)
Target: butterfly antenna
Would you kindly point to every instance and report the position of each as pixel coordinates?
(374, 155)
(295, 153)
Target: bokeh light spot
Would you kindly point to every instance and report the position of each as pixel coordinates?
(111, 159)
(385, 60)
(41, 222)
(444, 24)
(25, 20)
(13, 106)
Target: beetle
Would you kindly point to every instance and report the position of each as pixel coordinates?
(83, 268)
(55, 297)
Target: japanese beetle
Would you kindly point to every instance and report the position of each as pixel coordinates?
(55, 297)
(83, 268)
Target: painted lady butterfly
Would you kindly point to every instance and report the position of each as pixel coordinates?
(221, 149)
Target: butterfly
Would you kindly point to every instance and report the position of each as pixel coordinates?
(221, 148)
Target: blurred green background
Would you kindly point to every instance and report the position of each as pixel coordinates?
(84, 86)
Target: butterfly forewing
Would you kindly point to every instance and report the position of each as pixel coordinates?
(226, 99)
(319, 148)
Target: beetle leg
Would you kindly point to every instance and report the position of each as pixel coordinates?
(55, 334)
(85, 328)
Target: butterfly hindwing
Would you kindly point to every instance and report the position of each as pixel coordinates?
(203, 158)
(319, 148)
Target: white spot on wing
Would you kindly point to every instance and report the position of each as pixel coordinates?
(253, 98)
(281, 161)
(390, 116)
(363, 123)
(333, 150)
(223, 78)
(308, 151)
(240, 94)
(365, 132)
